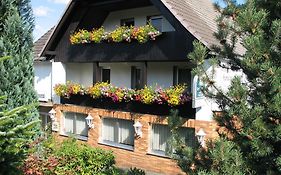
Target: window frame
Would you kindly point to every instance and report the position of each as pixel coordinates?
(176, 70)
(162, 153)
(78, 136)
(45, 120)
(113, 143)
(102, 74)
(154, 17)
(134, 72)
(130, 20)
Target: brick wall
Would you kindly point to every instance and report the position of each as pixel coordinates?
(139, 157)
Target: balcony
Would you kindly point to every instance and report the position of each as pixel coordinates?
(185, 110)
(170, 46)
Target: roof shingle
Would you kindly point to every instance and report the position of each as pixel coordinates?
(39, 45)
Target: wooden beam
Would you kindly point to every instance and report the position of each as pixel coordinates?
(144, 74)
(96, 73)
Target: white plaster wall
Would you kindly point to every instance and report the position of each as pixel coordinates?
(139, 14)
(81, 73)
(160, 74)
(120, 73)
(58, 76)
(223, 78)
(43, 79)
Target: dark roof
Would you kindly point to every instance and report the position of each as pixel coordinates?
(197, 16)
(40, 44)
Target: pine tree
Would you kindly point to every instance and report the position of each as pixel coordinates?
(18, 125)
(14, 137)
(17, 77)
(250, 122)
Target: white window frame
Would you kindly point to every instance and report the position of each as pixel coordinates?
(44, 122)
(159, 152)
(80, 137)
(115, 144)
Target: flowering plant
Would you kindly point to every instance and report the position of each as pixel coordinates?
(123, 33)
(82, 36)
(68, 89)
(172, 96)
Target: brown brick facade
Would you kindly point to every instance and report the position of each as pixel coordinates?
(140, 156)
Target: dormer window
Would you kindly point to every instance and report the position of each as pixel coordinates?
(156, 21)
(128, 22)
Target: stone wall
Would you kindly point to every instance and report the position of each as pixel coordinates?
(138, 157)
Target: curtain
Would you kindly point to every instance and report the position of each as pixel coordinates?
(69, 123)
(126, 132)
(81, 125)
(159, 137)
(108, 129)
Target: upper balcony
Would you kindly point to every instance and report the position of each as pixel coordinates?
(170, 46)
(173, 45)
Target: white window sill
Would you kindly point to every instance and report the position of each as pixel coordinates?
(117, 145)
(158, 154)
(83, 138)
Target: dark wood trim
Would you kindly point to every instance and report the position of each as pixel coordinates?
(51, 53)
(96, 73)
(175, 75)
(106, 2)
(144, 74)
(133, 77)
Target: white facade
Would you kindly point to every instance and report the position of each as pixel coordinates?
(48, 74)
(58, 76)
(81, 73)
(140, 17)
(43, 80)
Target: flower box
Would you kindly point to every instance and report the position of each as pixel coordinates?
(185, 110)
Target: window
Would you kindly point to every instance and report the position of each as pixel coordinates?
(128, 22)
(105, 75)
(75, 123)
(45, 120)
(182, 76)
(160, 135)
(156, 21)
(117, 132)
(136, 78)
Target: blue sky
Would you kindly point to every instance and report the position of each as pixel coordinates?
(48, 12)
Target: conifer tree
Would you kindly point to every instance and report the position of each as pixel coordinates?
(17, 77)
(14, 137)
(250, 122)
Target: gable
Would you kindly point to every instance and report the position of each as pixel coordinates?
(188, 18)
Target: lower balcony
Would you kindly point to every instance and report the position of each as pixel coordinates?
(185, 110)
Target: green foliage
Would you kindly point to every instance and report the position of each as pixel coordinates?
(82, 159)
(68, 157)
(250, 122)
(14, 137)
(17, 75)
(135, 171)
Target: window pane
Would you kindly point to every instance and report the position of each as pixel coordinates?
(126, 132)
(184, 77)
(188, 136)
(160, 135)
(69, 123)
(128, 22)
(156, 22)
(108, 129)
(106, 75)
(81, 125)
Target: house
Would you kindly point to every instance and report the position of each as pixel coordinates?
(43, 78)
(137, 133)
